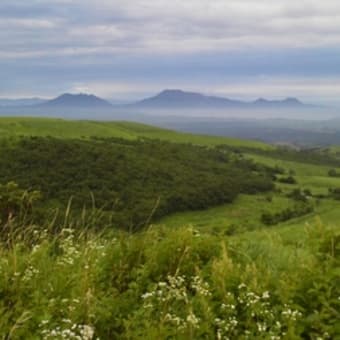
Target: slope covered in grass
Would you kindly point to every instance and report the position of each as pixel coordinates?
(128, 130)
(245, 213)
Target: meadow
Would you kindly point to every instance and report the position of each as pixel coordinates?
(207, 270)
(60, 128)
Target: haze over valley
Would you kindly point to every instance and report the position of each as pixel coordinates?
(286, 121)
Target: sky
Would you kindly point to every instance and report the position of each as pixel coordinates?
(130, 49)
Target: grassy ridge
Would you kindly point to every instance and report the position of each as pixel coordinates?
(128, 130)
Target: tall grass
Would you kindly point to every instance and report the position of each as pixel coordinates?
(61, 282)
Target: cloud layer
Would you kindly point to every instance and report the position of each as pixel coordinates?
(162, 41)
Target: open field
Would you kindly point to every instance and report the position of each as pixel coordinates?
(245, 213)
(308, 176)
(85, 129)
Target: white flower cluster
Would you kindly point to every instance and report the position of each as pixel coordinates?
(30, 273)
(181, 323)
(70, 251)
(193, 320)
(95, 246)
(254, 309)
(172, 290)
(225, 327)
(200, 287)
(172, 300)
(291, 314)
(67, 330)
(175, 288)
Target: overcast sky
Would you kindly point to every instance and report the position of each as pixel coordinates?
(128, 49)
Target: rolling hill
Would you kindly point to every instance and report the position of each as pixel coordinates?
(60, 128)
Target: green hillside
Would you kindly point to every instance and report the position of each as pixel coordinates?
(128, 130)
(230, 244)
(129, 177)
(310, 173)
(245, 213)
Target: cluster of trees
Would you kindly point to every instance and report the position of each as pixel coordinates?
(333, 173)
(287, 180)
(334, 193)
(137, 180)
(300, 195)
(298, 210)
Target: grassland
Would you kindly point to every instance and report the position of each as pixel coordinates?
(245, 213)
(60, 128)
(313, 177)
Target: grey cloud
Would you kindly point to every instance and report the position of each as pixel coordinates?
(159, 25)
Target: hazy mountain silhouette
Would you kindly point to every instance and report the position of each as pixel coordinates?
(77, 101)
(179, 98)
(288, 102)
(168, 99)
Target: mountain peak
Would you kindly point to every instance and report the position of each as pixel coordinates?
(175, 98)
(176, 93)
(77, 100)
(287, 102)
(171, 91)
(260, 101)
(292, 100)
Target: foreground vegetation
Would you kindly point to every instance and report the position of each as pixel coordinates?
(164, 283)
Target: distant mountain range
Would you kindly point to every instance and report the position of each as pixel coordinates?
(181, 99)
(167, 99)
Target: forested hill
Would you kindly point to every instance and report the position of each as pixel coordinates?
(135, 179)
